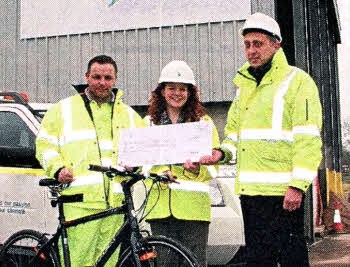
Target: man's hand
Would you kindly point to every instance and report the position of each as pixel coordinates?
(292, 199)
(191, 166)
(65, 176)
(214, 158)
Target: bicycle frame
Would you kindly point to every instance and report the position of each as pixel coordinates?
(128, 233)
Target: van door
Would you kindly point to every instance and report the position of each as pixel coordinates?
(23, 204)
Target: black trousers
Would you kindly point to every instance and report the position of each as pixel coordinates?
(192, 234)
(273, 235)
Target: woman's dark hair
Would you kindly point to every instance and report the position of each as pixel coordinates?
(192, 111)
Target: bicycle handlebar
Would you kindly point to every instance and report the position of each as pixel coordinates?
(113, 171)
(118, 170)
(97, 168)
(48, 182)
(121, 171)
(55, 186)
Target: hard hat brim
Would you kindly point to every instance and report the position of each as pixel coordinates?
(177, 81)
(249, 30)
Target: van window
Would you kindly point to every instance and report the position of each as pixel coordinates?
(17, 142)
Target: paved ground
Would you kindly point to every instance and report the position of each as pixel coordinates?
(333, 250)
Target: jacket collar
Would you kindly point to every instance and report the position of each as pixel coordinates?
(90, 99)
(259, 72)
(278, 63)
(80, 88)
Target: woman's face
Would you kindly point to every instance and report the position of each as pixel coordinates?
(175, 94)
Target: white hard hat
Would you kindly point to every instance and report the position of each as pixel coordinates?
(177, 71)
(263, 23)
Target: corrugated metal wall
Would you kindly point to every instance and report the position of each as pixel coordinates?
(46, 67)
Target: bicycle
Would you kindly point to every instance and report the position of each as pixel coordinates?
(31, 248)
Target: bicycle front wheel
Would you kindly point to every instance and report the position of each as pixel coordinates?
(159, 251)
(20, 250)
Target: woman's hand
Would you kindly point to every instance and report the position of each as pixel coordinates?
(191, 166)
(214, 158)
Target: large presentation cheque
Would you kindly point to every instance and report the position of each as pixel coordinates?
(165, 144)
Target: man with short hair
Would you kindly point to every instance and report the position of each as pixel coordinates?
(273, 127)
(82, 130)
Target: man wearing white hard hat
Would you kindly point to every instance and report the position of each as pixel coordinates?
(273, 131)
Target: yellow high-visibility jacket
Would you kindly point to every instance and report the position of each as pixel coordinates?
(188, 200)
(274, 130)
(67, 138)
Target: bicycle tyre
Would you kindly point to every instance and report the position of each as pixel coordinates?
(19, 251)
(168, 251)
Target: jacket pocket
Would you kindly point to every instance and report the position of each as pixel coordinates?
(277, 157)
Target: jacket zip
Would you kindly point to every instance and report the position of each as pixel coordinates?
(88, 108)
(245, 76)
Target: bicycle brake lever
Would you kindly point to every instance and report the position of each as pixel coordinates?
(165, 178)
(109, 174)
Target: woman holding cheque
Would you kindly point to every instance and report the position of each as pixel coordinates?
(183, 210)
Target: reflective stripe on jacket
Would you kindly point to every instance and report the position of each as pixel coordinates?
(274, 129)
(188, 200)
(67, 138)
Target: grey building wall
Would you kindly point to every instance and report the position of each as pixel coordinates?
(267, 7)
(45, 68)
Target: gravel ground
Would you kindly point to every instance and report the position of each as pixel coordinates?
(332, 250)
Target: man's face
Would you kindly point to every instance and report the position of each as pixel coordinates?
(101, 80)
(259, 48)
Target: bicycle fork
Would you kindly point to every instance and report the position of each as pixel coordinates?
(139, 252)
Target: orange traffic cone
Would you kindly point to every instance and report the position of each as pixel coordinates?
(337, 225)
